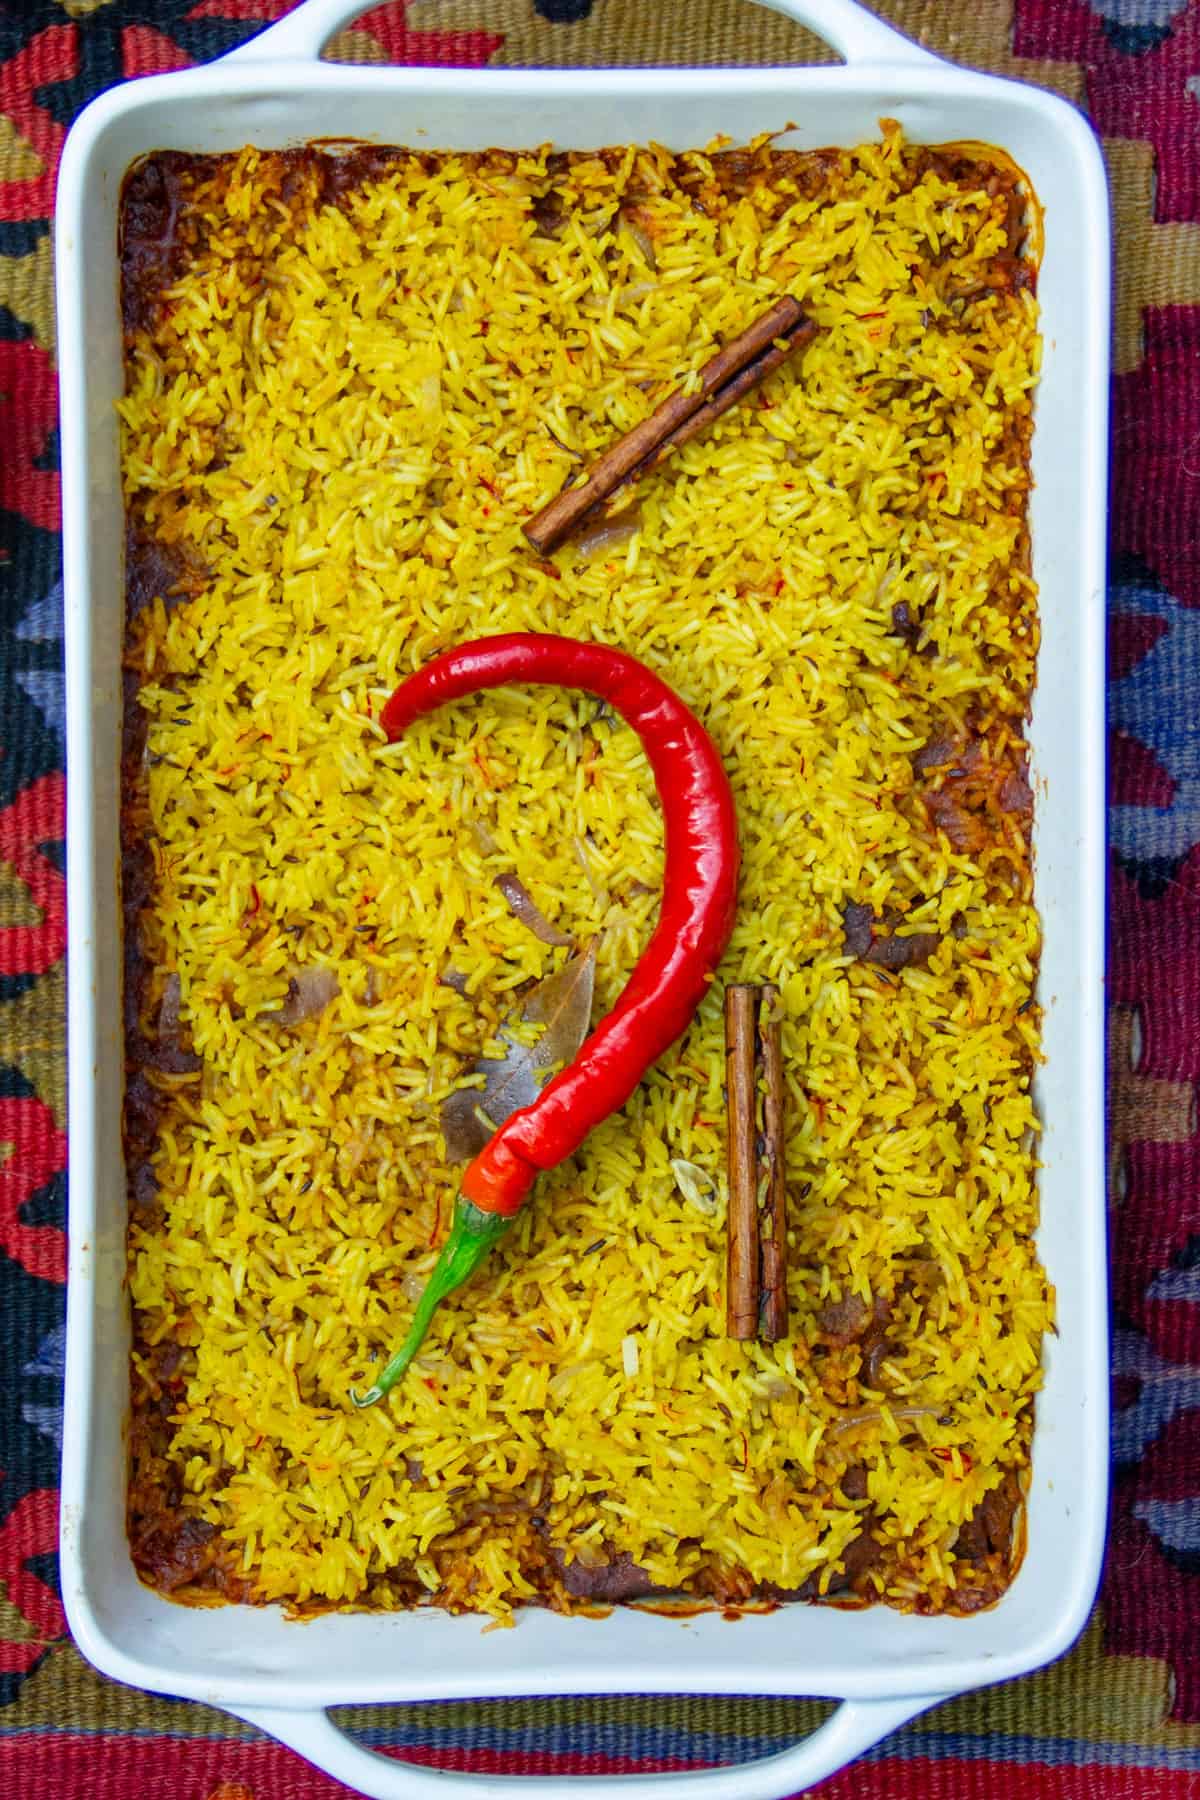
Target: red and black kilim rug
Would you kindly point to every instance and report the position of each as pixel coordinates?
(1121, 1715)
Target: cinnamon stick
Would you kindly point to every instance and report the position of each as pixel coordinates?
(734, 390)
(756, 1302)
(727, 378)
(773, 1311)
(742, 1269)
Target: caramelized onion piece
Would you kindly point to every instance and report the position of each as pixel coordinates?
(309, 992)
(524, 907)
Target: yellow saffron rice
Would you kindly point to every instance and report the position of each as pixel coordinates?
(342, 404)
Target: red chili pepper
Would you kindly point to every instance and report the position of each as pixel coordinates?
(695, 919)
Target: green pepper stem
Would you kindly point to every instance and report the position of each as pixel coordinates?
(472, 1234)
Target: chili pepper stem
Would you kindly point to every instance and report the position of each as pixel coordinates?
(472, 1234)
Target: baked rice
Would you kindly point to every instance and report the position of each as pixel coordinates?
(351, 376)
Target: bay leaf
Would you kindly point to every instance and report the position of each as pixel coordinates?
(562, 1005)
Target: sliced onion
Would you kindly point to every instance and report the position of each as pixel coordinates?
(611, 532)
(309, 992)
(599, 894)
(352, 1153)
(522, 906)
(695, 1185)
(588, 1556)
(643, 241)
(558, 1384)
(873, 1416)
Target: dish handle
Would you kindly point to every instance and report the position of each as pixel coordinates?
(851, 1728)
(852, 30)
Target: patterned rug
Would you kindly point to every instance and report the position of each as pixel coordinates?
(1120, 1716)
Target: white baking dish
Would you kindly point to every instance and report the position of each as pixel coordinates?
(885, 1667)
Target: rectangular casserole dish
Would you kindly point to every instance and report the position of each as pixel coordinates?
(884, 1666)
